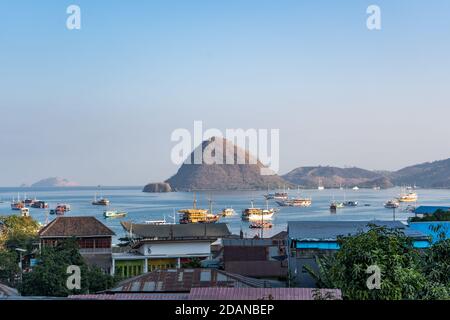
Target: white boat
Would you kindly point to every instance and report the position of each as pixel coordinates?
(261, 216)
(296, 202)
(320, 187)
(257, 214)
(408, 197)
(227, 212)
(356, 188)
(114, 214)
(392, 204)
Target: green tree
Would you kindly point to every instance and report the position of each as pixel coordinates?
(390, 250)
(9, 267)
(49, 276)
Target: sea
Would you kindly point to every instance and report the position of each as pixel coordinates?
(142, 206)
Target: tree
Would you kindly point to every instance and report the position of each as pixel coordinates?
(49, 276)
(388, 249)
(17, 231)
(9, 267)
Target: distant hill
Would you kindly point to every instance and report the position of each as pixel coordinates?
(334, 177)
(222, 176)
(54, 182)
(426, 175)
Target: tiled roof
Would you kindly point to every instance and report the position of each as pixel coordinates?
(75, 227)
(178, 231)
(182, 280)
(330, 230)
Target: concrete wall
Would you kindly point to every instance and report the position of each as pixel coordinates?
(176, 249)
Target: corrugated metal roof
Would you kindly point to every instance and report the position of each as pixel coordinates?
(330, 230)
(430, 209)
(224, 294)
(182, 280)
(6, 291)
(263, 294)
(132, 296)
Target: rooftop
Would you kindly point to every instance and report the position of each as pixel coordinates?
(262, 294)
(331, 230)
(75, 227)
(182, 280)
(430, 209)
(223, 294)
(211, 231)
(6, 291)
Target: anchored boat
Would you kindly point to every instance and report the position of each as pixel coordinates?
(408, 197)
(195, 215)
(392, 204)
(228, 212)
(257, 214)
(114, 214)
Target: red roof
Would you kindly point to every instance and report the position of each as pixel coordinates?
(221, 294)
(263, 294)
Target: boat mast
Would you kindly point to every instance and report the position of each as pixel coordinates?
(194, 205)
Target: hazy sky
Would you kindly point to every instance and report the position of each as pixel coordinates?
(98, 105)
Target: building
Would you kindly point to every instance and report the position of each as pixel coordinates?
(259, 258)
(223, 294)
(156, 247)
(93, 237)
(310, 239)
(434, 229)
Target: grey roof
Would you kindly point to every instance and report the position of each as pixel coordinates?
(178, 231)
(330, 230)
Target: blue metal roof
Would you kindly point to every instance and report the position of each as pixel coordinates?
(426, 228)
(330, 230)
(430, 209)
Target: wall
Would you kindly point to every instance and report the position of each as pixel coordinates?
(176, 249)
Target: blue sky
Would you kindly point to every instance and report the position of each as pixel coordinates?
(98, 105)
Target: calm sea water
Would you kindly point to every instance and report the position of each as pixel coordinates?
(144, 206)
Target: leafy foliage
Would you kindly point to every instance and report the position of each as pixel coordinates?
(49, 277)
(405, 272)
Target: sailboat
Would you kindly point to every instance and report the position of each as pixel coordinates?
(100, 202)
(256, 214)
(194, 215)
(296, 202)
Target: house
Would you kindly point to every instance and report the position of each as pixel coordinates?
(310, 239)
(93, 237)
(260, 258)
(223, 294)
(155, 247)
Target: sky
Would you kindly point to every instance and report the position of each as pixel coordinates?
(98, 105)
